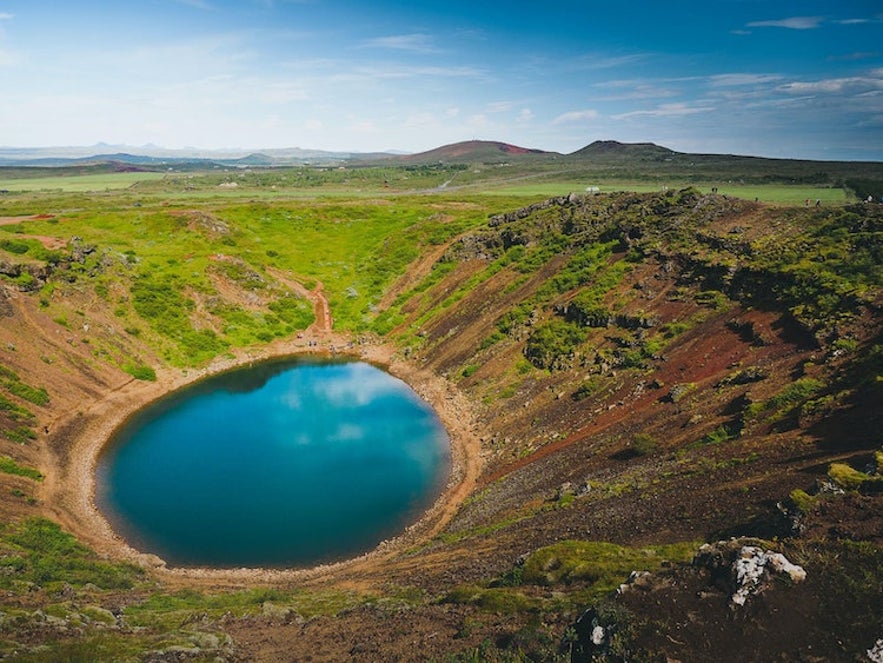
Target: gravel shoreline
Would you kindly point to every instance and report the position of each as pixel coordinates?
(79, 438)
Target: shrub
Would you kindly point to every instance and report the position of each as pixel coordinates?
(587, 388)
(553, 342)
(140, 372)
(643, 444)
(14, 246)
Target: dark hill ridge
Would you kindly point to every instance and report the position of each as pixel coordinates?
(608, 148)
(470, 151)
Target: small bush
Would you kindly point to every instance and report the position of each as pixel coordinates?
(140, 372)
(14, 246)
(553, 342)
(643, 444)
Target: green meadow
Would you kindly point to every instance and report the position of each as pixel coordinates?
(78, 183)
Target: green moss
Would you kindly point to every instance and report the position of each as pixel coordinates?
(850, 478)
(803, 500)
(501, 600)
(604, 566)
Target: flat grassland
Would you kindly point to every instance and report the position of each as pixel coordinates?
(77, 183)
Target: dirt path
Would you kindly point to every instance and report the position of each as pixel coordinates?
(322, 310)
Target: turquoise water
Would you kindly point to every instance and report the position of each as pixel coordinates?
(277, 465)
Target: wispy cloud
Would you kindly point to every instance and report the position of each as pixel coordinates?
(737, 80)
(592, 61)
(417, 42)
(576, 116)
(853, 21)
(792, 23)
(848, 57)
(4, 16)
(665, 110)
(857, 84)
(640, 91)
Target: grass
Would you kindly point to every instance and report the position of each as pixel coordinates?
(38, 552)
(79, 183)
(9, 466)
(779, 194)
(603, 566)
(164, 611)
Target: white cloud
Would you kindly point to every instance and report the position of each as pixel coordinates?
(665, 110)
(416, 43)
(833, 85)
(792, 23)
(735, 80)
(576, 116)
(526, 115)
(853, 21)
(4, 16)
(636, 90)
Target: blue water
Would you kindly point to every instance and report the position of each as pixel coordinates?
(278, 465)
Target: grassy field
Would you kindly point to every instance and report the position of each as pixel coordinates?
(78, 183)
(303, 183)
(782, 194)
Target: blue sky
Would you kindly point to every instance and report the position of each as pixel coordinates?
(782, 79)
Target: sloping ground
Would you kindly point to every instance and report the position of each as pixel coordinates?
(697, 392)
(642, 371)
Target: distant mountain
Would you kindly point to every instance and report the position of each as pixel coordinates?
(151, 155)
(471, 151)
(610, 152)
